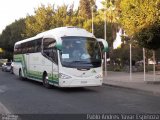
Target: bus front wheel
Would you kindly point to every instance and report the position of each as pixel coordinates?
(45, 81)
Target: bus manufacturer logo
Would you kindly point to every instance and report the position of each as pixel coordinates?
(93, 71)
(82, 74)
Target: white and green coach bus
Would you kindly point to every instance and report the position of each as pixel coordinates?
(64, 57)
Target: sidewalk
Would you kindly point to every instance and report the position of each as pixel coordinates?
(122, 79)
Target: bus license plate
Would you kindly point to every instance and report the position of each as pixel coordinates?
(83, 82)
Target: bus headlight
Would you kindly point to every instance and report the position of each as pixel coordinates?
(63, 76)
(99, 76)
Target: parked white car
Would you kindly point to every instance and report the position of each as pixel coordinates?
(6, 67)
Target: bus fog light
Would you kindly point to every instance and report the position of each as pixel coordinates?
(63, 76)
(99, 76)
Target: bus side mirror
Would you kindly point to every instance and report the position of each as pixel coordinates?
(59, 45)
(105, 44)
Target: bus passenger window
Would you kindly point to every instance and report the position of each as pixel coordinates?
(49, 49)
(38, 45)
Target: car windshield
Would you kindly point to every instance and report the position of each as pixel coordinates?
(8, 64)
(81, 52)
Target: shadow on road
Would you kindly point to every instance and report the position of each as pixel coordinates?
(66, 90)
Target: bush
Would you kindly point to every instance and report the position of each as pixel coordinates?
(114, 68)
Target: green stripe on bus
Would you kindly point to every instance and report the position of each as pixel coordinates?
(52, 81)
(20, 58)
(53, 78)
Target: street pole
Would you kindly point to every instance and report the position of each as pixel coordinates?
(92, 20)
(105, 37)
(130, 61)
(144, 64)
(154, 62)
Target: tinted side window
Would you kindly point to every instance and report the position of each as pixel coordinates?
(38, 45)
(31, 46)
(17, 49)
(24, 48)
(28, 47)
(49, 49)
(48, 43)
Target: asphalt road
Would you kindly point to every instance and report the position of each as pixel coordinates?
(29, 97)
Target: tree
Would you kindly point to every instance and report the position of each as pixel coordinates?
(122, 54)
(11, 34)
(112, 18)
(48, 17)
(92, 2)
(149, 37)
(111, 12)
(63, 16)
(41, 21)
(140, 19)
(158, 56)
(85, 9)
(93, 5)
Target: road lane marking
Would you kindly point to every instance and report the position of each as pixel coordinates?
(3, 88)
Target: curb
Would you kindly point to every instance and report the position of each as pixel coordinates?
(3, 109)
(135, 89)
(153, 82)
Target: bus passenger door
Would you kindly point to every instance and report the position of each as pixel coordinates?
(25, 59)
(27, 63)
(51, 65)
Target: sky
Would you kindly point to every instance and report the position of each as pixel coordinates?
(11, 10)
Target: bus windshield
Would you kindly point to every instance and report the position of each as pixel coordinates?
(80, 52)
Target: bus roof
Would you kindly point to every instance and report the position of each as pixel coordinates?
(60, 32)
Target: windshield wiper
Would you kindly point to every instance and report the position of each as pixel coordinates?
(78, 61)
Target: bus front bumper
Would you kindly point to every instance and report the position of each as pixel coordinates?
(80, 83)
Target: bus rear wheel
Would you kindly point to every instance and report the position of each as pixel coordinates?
(46, 82)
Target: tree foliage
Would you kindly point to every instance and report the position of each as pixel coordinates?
(41, 21)
(149, 37)
(12, 33)
(140, 19)
(49, 17)
(85, 9)
(122, 54)
(46, 18)
(111, 11)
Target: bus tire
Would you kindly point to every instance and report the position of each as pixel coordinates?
(45, 81)
(20, 74)
(11, 71)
